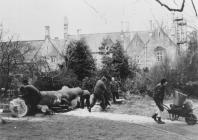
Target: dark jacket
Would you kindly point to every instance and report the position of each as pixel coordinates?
(114, 86)
(100, 88)
(159, 92)
(30, 94)
(87, 85)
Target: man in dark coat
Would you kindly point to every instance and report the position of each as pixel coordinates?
(32, 96)
(100, 94)
(114, 89)
(159, 93)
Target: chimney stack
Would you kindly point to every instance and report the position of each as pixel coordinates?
(151, 25)
(47, 32)
(78, 33)
(65, 28)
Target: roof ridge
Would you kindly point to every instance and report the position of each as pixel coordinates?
(108, 33)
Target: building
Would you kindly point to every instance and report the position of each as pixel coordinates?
(150, 48)
(146, 48)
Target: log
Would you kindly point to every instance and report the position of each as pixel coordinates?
(18, 108)
(50, 98)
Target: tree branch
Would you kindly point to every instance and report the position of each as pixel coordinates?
(172, 9)
(194, 7)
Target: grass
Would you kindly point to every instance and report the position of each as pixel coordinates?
(145, 106)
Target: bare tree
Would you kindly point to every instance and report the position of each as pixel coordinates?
(177, 9)
(12, 57)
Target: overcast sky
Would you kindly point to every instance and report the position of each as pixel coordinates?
(27, 18)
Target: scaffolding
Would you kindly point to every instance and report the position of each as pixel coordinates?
(180, 32)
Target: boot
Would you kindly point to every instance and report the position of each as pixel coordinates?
(89, 109)
(155, 117)
(3, 121)
(160, 121)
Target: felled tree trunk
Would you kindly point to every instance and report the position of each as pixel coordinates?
(50, 98)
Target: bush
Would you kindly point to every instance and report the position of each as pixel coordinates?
(69, 79)
(46, 83)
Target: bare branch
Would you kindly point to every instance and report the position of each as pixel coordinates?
(194, 7)
(172, 9)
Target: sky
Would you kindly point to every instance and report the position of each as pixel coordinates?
(26, 18)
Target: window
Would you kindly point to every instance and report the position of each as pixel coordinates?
(159, 53)
(137, 59)
(53, 58)
(159, 56)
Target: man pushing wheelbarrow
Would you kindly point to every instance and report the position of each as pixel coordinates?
(159, 93)
(181, 107)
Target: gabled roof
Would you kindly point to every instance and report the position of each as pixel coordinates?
(57, 45)
(35, 45)
(144, 35)
(136, 39)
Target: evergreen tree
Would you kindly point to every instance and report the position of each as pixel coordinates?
(79, 59)
(120, 63)
(114, 60)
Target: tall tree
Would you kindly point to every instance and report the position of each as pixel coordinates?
(79, 59)
(106, 52)
(120, 61)
(115, 61)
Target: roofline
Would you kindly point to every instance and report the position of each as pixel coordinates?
(135, 31)
(109, 32)
(30, 40)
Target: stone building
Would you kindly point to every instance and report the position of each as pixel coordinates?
(146, 48)
(150, 48)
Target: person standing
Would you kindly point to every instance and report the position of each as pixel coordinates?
(100, 94)
(114, 89)
(159, 93)
(87, 84)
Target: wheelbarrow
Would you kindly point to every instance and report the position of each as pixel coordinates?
(181, 108)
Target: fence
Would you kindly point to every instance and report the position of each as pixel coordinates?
(8, 95)
(5, 98)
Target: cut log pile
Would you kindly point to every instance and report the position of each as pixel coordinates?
(56, 101)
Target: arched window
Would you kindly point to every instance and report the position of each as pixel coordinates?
(159, 53)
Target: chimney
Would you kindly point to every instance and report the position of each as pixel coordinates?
(127, 26)
(151, 25)
(1, 30)
(78, 33)
(65, 28)
(47, 32)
